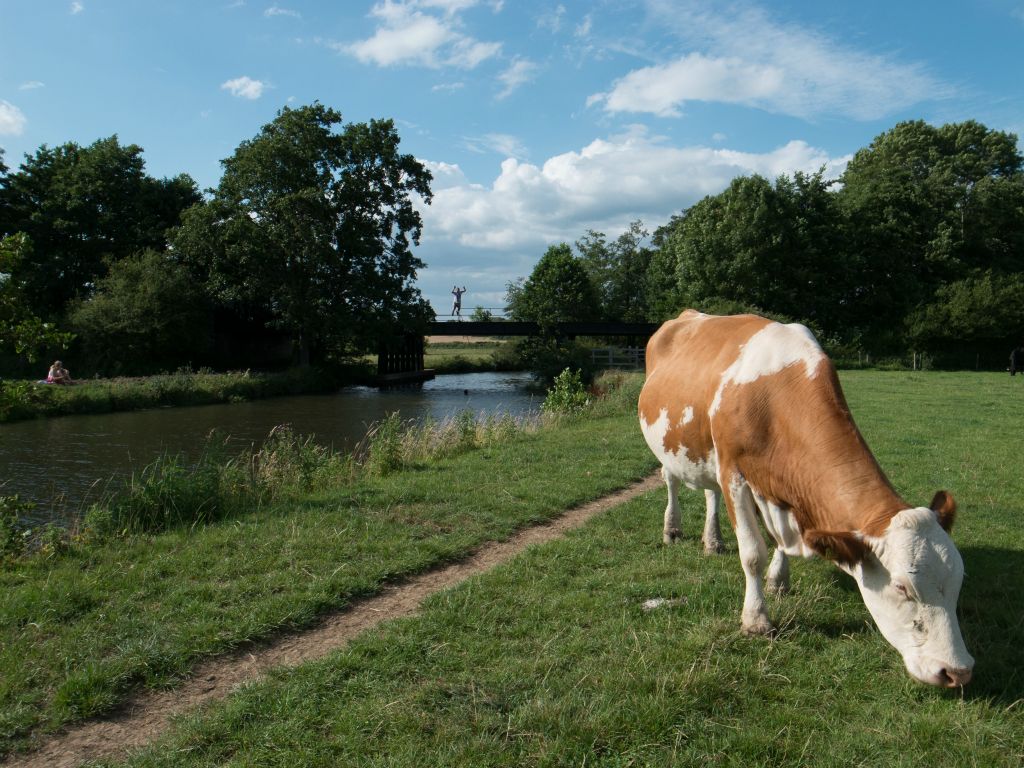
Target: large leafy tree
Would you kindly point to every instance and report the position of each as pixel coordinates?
(558, 290)
(926, 206)
(618, 271)
(22, 331)
(762, 246)
(314, 221)
(147, 314)
(84, 208)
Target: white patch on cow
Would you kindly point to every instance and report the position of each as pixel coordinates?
(693, 472)
(782, 526)
(768, 351)
(911, 586)
(687, 415)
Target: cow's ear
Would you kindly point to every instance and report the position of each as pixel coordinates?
(841, 546)
(944, 507)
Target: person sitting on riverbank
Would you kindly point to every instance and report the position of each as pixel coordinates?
(58, 374)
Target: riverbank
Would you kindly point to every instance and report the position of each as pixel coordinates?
(21, 400)
(142, 594)
(553, 658)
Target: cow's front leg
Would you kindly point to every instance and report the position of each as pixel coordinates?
(778, 573)
(753, 556)
(712, 530)
(671, 532)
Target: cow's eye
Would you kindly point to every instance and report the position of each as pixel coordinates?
(902, 589)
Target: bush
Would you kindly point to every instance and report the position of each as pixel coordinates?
(567, 395)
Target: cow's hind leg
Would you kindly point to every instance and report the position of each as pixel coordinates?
(777, 580)
(671, 532)
(753, 556)
(712, 530)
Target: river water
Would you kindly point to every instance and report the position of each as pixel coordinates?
(65, 463)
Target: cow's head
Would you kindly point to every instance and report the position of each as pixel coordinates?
(910, 579)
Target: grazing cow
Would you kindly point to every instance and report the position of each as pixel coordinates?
(752, 410)
(1017, 361)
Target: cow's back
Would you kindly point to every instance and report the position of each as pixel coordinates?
(685, 361)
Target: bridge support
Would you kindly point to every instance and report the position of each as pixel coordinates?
(401, 362)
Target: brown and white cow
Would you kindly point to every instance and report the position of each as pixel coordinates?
(752, 409)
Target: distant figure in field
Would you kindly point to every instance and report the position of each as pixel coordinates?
(457, 302)
(58, 374)
(1017, 361)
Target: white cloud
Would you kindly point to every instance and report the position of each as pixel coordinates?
(12, 119)
(448, 87)
(275, 10)
(748, 58)
(31, 85)
(408, 35)
(662, 89)
(520, 72)
(76, 8)
(244, 87)
(531, 206)
(584, 27)
(503, 144)
(552, 20)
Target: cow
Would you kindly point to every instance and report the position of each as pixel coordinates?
(1017, 361)
(751, 410)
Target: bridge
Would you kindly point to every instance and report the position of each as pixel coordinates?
(402, 363)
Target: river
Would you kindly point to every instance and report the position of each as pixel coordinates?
(65, 463)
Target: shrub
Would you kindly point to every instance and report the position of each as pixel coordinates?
(567, 395)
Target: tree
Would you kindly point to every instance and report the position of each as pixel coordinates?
(925, 206)
(558, 290)
(316, 224)
(146, 314)
(761, 246)
(618, 271)
(84, 208)
(21, 330)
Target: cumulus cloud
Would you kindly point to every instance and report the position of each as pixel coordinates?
(748, 58)
(408, 33)
(12, 119)
(520, 72)
(531, 206)
(244, 87)
(552, 20)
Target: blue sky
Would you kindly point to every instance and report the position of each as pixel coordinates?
(540, 120)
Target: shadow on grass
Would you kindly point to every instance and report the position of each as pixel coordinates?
(992, 622)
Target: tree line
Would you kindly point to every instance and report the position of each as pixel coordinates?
(302, 252)
(917, 246)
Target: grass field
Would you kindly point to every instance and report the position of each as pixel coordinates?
(463, 355)
(550, 659)
(79, 631)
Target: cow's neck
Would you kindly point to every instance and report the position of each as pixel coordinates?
(843, 487)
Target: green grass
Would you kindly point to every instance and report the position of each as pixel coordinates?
(27, 399)
(550, 660)
(463, 357)
(80, 630)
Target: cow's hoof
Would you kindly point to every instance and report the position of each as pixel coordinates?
(760, 625)
(714, 548)
(672, 535)
(776, 587)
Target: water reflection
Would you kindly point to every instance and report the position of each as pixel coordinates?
(76, 456)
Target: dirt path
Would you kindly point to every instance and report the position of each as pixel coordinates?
(147, 715)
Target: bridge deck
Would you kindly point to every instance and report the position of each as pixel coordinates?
(567, 330)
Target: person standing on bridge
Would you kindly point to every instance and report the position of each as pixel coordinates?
(457, 302)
